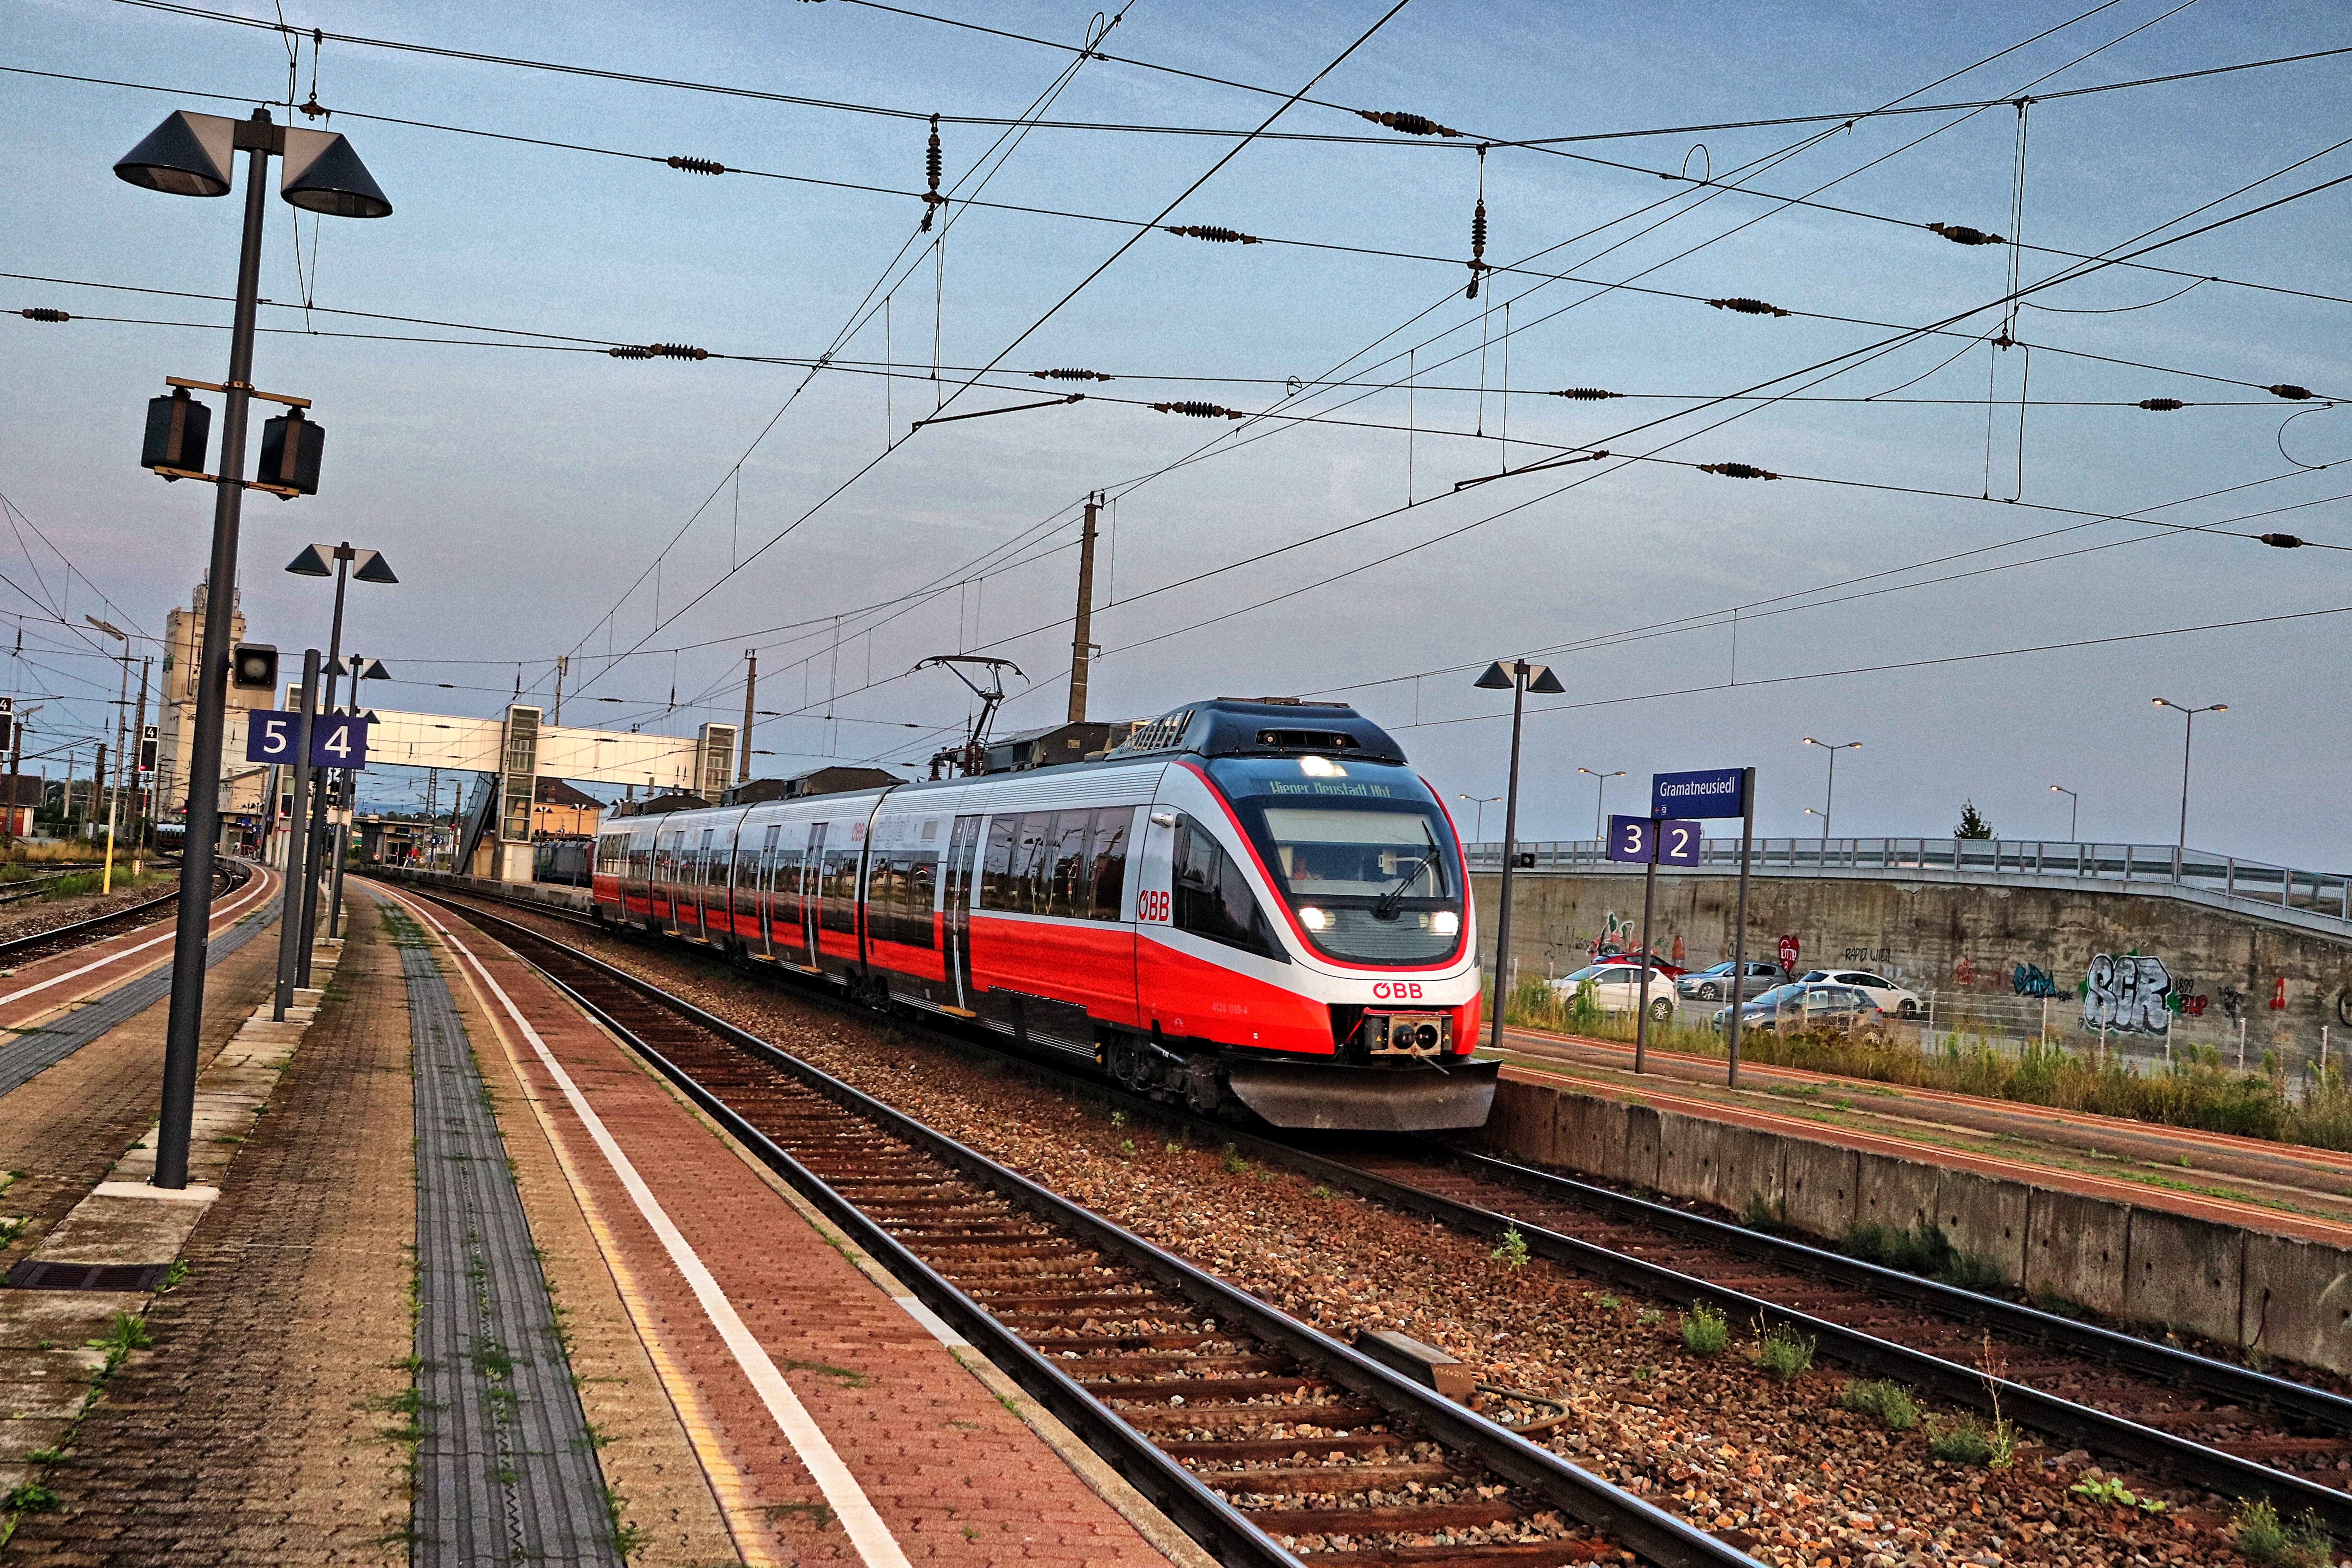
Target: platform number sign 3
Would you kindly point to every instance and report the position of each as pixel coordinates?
(1641, 839)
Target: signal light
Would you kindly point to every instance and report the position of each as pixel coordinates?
(290, 449)
(179, 432)
(254, 664)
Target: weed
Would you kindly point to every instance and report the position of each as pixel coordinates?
(628, 1537)
(1610, 1303)
(1513, 1249)
(1972, 1271)
(1782, 1352)
(43, 1456)
(817, 1513)
(2261, 1537)
(11, 1228)
(178, 1271)
(1925, 1251)
(2108, 1489)
(969, 1532)
(1173, 1148)
(1232, 1163)
(1963, 1442)
(127, 1334)
(1644, 1374)
(1126, 1148)
(1319, 1192)
(1648, 1318)
(1705, 1332)
(1772, 1218)
(1118, 1118)
(2045, 1300)
(1890, 1402)
(32, 1497)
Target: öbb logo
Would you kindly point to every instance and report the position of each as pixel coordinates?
(1396, 990)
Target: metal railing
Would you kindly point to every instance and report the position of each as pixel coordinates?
(2255, 885)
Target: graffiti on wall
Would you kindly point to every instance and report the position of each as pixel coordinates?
(2131, 992)
(2031, 980)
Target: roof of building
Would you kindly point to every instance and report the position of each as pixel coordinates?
(556, 791)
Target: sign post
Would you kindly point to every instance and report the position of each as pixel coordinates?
(1647, 841)
(1720, 791)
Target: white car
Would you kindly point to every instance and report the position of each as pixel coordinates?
(1617, 988)
(1892, 999)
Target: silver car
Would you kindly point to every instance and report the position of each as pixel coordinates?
(1714, 985)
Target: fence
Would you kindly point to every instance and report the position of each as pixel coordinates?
(2322, 899)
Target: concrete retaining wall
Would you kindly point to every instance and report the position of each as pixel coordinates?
(2283, 1297)
(576, 900)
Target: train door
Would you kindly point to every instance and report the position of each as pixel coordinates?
(763, 893)
(963, 862)
(1154, 908)
(810, 888)
(698, 880)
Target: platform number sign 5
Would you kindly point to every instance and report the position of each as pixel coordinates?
(269, 735)
(1151, 907)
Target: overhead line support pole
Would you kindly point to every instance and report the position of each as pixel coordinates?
(1739, 920)
(1082, 638)
(751, 687)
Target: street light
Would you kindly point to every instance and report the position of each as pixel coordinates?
(362, 668)
(192, 155)
(1830, 801)
(1482, 802)
(1518, 677)
(2074, 810)
(368, 567)
(1601, 789)
(2189, 732)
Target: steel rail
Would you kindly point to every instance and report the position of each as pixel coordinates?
(2164, 1453)
(237, 873)
(1655, 1534)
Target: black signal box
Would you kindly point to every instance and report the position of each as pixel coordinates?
(290, 449)
(179, 432)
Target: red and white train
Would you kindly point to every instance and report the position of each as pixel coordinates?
(1253, 900)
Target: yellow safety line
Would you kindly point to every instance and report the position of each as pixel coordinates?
(728, 1484)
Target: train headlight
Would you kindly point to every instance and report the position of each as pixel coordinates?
(1321, 768)
(1445, 922)
(1314, 919)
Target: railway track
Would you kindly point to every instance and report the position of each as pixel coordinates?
(57, 939)
(2192, 1419)
(1266, 1440)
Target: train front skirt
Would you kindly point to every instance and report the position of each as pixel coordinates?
(1432, 1097)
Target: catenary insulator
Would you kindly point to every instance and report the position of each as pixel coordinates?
(1585, 394)
(1220, 236)
(695, 165)
(1198, 411)
(2161, 404)
(1411, 124)
(932, 200)
(1478, 246)
(1738, 471)
(2280, 540)
(1747, 307)
(658, 350)
(43, 313)
(2289, 391)
(1069, 375)
(1961, 234)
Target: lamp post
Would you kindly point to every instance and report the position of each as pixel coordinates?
(1600, 790)
(368, 567)
(1829, 803)
(194, 155)
(2188, 734)
(1518, 677)
(362, 668)
(1482, 802)
(2073, 811)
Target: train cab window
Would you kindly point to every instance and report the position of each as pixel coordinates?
(1213, 898)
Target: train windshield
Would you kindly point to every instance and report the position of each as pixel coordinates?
(1359, 850)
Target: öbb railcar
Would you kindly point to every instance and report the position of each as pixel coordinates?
(1253, 901)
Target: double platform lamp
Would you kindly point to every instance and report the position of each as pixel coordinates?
(192, 155)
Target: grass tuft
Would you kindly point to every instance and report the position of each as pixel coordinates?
(1891, 1403)
(1783, 1352)
(1705, 1331)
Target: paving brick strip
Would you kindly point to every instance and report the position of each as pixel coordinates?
(505, 1470)
(264, 1427)
(39, 1049)
(741, 1294)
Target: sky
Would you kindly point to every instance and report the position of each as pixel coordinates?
(1940, 496)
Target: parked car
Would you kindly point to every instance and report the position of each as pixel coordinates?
(1714, 985)
(1890, 997)
(1799, 1006)
(1617, 988)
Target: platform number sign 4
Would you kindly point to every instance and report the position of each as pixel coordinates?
(338, 740)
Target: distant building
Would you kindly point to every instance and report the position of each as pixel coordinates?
(245, 787)
(653, 806)
(20, 796)
(560, 811)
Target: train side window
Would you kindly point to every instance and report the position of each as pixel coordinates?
(1111, 828)
(1213, 898)
(839, 910)
(1032, 862)
(996, 891)
(1063, 866)
(915, 928)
